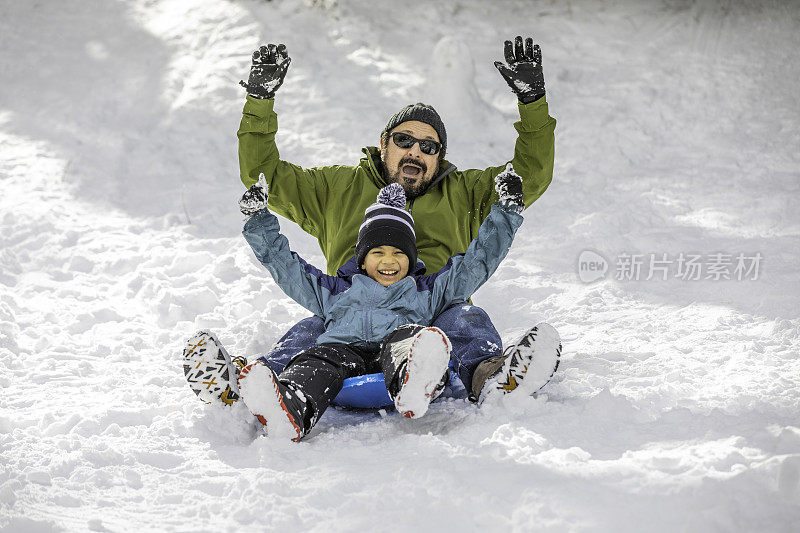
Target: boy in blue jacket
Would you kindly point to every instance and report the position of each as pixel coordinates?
(375, 318)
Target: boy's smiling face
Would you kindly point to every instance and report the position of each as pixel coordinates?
(386, 264)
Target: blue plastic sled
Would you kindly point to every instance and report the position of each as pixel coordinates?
(369, 391)
(364, 392)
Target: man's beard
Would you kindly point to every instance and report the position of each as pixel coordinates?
(412, 190)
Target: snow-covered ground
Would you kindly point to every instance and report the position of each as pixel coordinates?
(676, 406)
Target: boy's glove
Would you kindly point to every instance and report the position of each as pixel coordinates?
(508, 185)
(524, 71)
(255, 198)
(269, 67)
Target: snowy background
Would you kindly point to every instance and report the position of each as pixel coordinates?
(677, 404)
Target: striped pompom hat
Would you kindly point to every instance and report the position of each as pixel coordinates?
(387, 222)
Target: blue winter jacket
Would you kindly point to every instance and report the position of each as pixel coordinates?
(358, 310)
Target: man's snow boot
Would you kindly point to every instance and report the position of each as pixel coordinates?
(414, 359)
(210, 371)
(524, 367)
(282, 408)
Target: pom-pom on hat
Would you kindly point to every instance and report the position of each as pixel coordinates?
(387, 222)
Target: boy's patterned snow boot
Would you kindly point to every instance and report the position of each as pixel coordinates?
(281, 407)
(210, 371)
(524, 367)
(414, 359)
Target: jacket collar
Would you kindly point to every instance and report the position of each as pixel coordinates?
(373, 163)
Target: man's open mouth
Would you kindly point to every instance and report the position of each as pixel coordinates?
(411, 170)
(388, 272)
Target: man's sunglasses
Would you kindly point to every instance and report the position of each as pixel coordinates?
(426, 146)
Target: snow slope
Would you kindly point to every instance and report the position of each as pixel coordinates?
(677, 404)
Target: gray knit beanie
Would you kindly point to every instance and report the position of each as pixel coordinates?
(422, 113)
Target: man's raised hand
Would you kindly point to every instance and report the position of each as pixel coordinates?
(524, 70)
(269, 67)
(255, 198)
(508, 185)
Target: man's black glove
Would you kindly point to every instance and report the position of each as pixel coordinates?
(524, 71)
(508, 185)
(269, 67)
(255, 198)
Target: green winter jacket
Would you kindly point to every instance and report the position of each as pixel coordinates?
(329, 202)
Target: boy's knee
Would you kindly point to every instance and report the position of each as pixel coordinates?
(336, 357)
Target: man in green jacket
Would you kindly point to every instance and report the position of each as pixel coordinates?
(448, 204)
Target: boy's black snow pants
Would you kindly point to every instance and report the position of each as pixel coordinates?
(319, 372)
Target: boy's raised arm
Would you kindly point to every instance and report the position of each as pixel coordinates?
(304, 283)
(465, 273)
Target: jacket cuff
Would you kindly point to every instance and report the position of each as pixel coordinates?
(258, 116)
(260, 107)
(259, 218)
(510, 207)
(533, 116)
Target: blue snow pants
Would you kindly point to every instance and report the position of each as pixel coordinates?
(471, 332)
